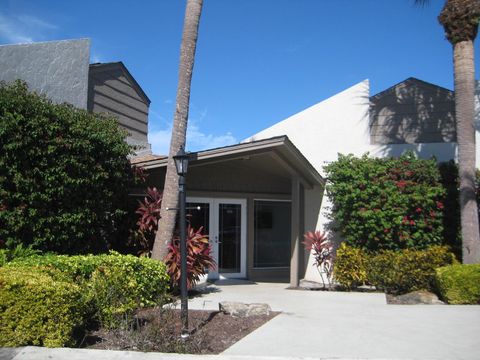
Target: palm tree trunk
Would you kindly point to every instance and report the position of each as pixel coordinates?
(464, 74)
(166, 224)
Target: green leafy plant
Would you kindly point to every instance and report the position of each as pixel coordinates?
(113, 284)
(388, 204)
(65, 175)
(395, 272)
(322, 250)
(20, 251)
(39, 308)
(407, 270)
(199, 257)
(459, 284)
(350, 267)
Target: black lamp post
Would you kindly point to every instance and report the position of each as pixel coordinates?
(181, 163)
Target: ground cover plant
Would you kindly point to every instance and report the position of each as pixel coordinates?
(65, 175)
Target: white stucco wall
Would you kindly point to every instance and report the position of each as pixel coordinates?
(340, 124)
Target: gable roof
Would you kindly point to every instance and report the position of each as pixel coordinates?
(100, 67)
(409, 82)
(285, 152)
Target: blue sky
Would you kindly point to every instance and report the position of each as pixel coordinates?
(258, 61)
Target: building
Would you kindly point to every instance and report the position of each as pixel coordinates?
(61, 71)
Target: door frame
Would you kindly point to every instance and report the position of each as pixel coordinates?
(214, 212)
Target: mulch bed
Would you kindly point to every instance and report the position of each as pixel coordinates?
(156, 329)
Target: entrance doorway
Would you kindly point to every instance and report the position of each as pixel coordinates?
(224, 221)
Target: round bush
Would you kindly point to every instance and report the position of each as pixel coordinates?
(38, 308)
(64, 177)
(459, 284)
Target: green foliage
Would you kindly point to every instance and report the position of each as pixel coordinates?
(350, 267)
(114, 284)
(459, 284)
(407, 270)
(122, 284)
(7, 255)
(393, 271)
(38, 308)
(64, 175)
(451, 214)
(389, 204)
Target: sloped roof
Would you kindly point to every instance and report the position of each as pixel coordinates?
(98, 67)
(285, 150)
(408, 82)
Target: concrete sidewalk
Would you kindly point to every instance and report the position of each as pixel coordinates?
(318, 325)
(349, 325)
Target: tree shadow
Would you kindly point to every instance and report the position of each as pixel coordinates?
(414, 115)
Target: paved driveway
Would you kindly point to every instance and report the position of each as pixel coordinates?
(349, 325)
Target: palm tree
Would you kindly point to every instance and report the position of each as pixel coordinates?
(166, 224)
(460, 20)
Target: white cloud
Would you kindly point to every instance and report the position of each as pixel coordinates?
(95, 58)
(160, 141)
(196, 139)
(34, 21)
(160, 132)
(10, 31)
(23, 28)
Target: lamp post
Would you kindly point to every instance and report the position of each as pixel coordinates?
(181, 163)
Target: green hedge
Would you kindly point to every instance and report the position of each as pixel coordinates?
(39, 308)
(386, 204)
(54, 294)
(115, 283)
(393, 271)
(459, 284)
(407, 270)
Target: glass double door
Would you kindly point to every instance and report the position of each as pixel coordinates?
(224, 221)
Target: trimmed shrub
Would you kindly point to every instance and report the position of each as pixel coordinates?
(114, 284)
(393, 271)
(350, 267)
(459, 284)
(122, 284)
(386, 204)
(38, 308)
(407, 270)
(65, 175)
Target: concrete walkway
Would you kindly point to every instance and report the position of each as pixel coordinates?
(349, 325)
(318, 325)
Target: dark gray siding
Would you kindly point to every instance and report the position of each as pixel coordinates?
(412, 112)
(112, 90)
(57, 69)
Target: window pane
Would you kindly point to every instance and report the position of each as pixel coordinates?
(229, 238)
(272, 234)
(197, 218)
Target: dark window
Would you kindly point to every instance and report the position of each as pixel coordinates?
(272, 234)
